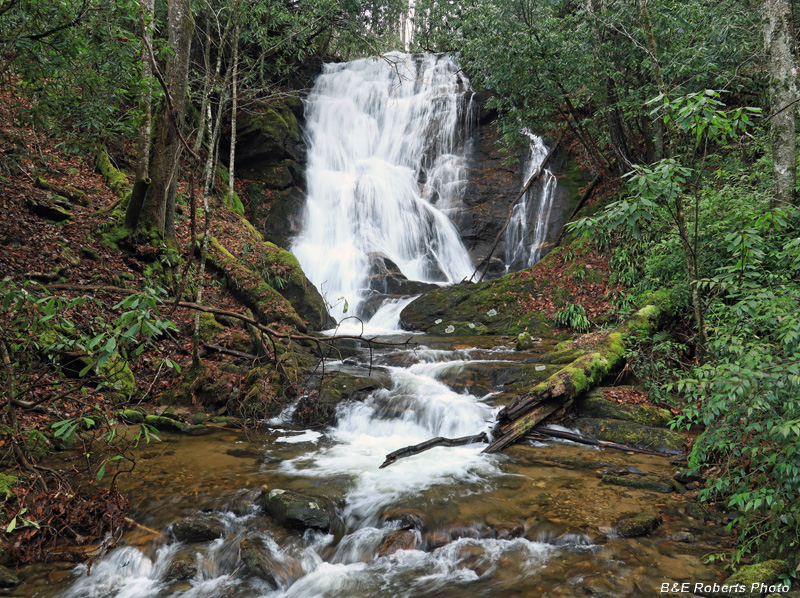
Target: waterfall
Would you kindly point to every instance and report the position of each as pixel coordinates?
(386, 163)
(527, 231)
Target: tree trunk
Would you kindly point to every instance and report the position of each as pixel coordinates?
(234, 107)
(778, 36)
(158, 212)
(145, 104)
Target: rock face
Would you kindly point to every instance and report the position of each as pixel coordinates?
(294, 510)
(320, 409)
(385, 278)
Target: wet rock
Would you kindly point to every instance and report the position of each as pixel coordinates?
(294, 510)
(597, 405)
(433, 540)
(526, 342)
(8, 578)
(685, 476)
(196, 530)
(641, 483)
(752, 577)
(685, 537)
(256, 559)
(402, 519)
(130, 416)
(625, 432)
(386, 278)
(181, 570)
(320, 409)
(633, 525)
(508, 531)
(398, 540)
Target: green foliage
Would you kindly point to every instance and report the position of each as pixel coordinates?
(573, 316)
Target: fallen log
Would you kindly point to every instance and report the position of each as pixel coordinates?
(232, 352)
(524, 414)
(579, 438)
(432, 443)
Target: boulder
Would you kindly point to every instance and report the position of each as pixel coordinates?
(193, 530)
(624, 432)
(294, 510)
(752, 576)
(386, 278)
(632, 525)
(597, 405)
(320, 409)
(8, 579)
(181, 569)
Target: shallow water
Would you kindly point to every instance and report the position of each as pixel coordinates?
(517, 524)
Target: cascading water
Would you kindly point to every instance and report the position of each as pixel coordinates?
(527, 231)
(386, 161)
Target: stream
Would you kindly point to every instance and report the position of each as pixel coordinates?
(518, 524)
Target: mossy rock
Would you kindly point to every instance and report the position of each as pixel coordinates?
(633, 525)
(256, 559)
(49, 210)
(752, 577)
(459, 328)
(200, 386)
(638, 483)
(277, 214)
(267, 391)
(526, 341)
(624, 432)
(597, 405)
(116, 373)
(294, 510)
(37, 445)
(130, 416)
(319, 409)
(269, 132)
(209, 327)
(165, 424)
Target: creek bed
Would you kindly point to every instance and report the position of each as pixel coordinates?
(517, 524)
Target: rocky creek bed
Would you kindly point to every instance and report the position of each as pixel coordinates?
(286, 512)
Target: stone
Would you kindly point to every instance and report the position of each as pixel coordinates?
(767, 573)
(256, 560)
(130, 416)
(402, 519)
(165, 424)
(433, 540)
(8, 579)
(180, 570)
(294, 510)
(192, 530)
(685, 537)
(525, 342)
(640, 483)
(398, 540)
(49, 210)
(386, 278)
(625, 432)
(597, 405)
(633, 525)
(320, 409)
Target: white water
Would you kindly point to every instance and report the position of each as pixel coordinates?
(376, 128)
(528, 228)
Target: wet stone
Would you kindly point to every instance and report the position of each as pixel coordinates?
(402, 519)
(196, 530)
(294, 510)
(256, 560)
(433, 540)
(8, 578)
(398, 540)
(633, 525)
(181, 570)
(686, 537)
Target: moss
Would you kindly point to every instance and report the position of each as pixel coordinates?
(164, 423)
(624, 432)
(596, 405)
(209, 327)
(267, 304)
(116, 180)
(768, 572)
(525, 342)
(118, 377)
(200, 386)
(130, 416)
(320, 409)
(7, 482)
(37, 445)
(459, 328)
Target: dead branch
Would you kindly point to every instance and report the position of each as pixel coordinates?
(579, 438)
(432, 443)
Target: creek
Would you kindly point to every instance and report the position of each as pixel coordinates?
(388, 144)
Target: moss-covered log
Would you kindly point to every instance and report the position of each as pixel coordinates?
(524, 413)
(115, 179)
(267, 304)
